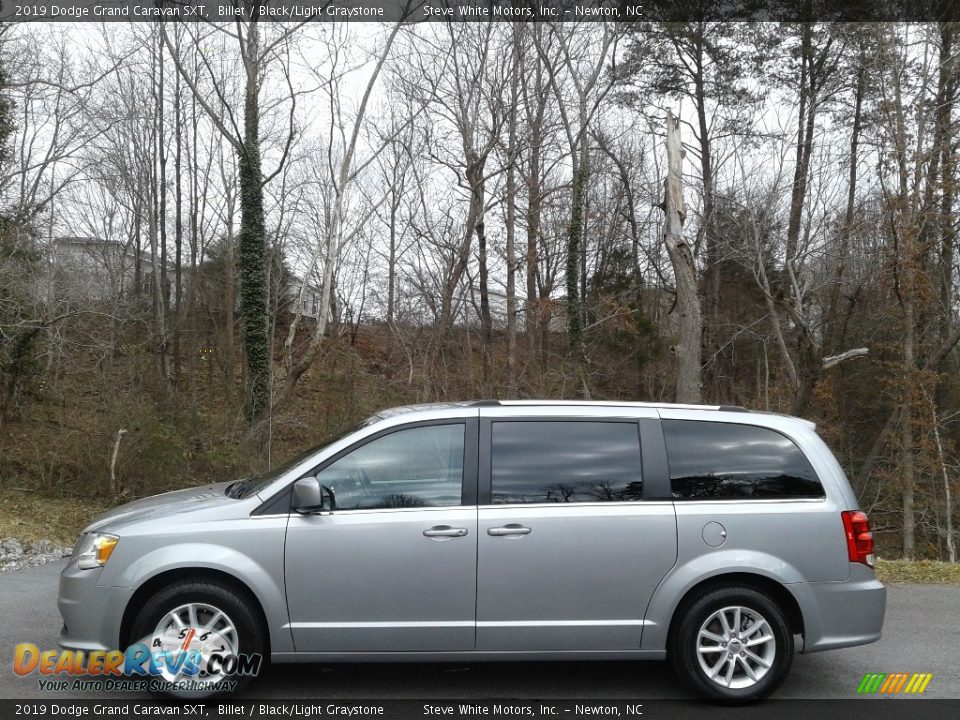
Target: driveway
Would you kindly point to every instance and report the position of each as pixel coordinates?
(921, 634)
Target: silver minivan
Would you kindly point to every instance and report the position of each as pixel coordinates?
(501, 530)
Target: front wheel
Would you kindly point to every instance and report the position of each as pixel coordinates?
(733, 644)
(201, 634)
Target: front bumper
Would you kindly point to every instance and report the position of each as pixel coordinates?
(91, 613)
(842, 614)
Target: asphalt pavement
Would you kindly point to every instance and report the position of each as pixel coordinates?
(921, 634)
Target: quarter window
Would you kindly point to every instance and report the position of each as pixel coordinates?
(415, 467)
(565, 461)
(720, 461)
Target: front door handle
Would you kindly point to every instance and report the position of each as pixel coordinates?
(509, 530)
(444, 531)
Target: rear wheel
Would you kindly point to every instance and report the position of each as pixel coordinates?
(211, 622)
(732, 644)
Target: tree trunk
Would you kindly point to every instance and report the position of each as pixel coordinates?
(392, 259)
(944, 473)
(948, 162)
(157, 274)
(137, 250)
(806, 123)
(532, 319)
(574, 242)
(229, 302)
(474, 171)
(684, 270)
(809, 365)
(486, 321)
(512, 217)
(159, 326)
(906, 227)
(711, 294)
(536, 324)
(834, 337)
(178, 235)
(162, 219)
(906, 427)
(253, 244)
(190, 309)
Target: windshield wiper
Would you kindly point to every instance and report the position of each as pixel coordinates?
(235, 490)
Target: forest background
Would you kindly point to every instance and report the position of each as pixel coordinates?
(222, 244)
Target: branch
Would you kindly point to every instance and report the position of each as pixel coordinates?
(940, 354)
(290, 135)
(232, 139)
(41, 324)
(288, 32)
(71, 89)
(832, 360)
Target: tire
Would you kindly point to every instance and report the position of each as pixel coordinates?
(206, 597)
(755, 673)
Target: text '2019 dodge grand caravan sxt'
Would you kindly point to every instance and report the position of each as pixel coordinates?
(501, 531)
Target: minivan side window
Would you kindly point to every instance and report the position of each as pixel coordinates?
(726, 461)
(412, 467)
(565, 461)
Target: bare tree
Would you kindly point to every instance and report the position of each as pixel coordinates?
(583, 63)
(511, 210)
(255, 54)
(684, 271)
(342, 173)
(462, 89)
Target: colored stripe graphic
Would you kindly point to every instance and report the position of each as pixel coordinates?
(925, 679)
(895, 683)
(871, 682)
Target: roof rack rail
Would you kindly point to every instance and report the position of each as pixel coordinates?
(733, 408)
(485, 403)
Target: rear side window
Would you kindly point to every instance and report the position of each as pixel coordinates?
(725, 461)
(565, 462)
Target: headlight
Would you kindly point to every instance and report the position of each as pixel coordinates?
(94, 549)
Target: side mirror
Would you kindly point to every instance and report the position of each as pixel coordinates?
(309, 496)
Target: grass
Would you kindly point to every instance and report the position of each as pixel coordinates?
(927, 572)
(28, 516)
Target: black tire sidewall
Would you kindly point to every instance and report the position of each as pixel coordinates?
(250, 633)
(683, 650)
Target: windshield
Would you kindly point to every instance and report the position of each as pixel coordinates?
(252, 485)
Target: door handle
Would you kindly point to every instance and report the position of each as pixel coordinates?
(509, 530)
(444, 531)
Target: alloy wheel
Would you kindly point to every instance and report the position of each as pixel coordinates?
(736, 647)
(196, 627)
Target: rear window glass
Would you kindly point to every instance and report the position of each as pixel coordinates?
(726, 461)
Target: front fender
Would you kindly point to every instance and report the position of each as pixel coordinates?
(258, 566)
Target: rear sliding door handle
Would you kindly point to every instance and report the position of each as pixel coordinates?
(444, 531)
(513, 529)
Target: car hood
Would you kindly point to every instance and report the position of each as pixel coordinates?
(156, 506)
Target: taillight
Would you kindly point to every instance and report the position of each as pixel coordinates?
(856, 525)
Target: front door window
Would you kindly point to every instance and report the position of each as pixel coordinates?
(420, 467)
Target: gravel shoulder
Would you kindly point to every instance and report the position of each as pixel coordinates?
(15, 555)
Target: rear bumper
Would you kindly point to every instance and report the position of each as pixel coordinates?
(91, 613)
(842, 614)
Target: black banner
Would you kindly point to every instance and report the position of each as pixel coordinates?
(477, 10)
(217, 708)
